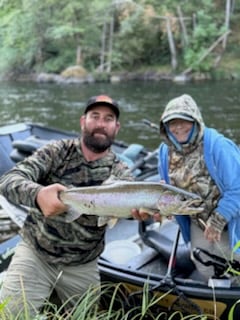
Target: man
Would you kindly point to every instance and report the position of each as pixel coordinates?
(54, 253)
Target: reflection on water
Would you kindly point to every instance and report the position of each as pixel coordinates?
(61, 105)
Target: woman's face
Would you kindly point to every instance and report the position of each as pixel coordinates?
(180, 129)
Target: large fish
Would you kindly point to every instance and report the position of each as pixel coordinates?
(115, 200)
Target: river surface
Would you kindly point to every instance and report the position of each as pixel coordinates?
(59, 105)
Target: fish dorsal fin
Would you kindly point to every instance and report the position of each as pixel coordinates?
(109, 182)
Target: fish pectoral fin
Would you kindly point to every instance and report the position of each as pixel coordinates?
(72, 215)
(112, 222)
(150, 211)
(102, 221)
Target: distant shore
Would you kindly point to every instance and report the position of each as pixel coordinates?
(116, 77)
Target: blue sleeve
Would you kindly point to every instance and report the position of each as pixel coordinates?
(183, 221)
(163, 162)
(222, 158)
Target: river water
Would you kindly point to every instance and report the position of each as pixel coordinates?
(59, 105)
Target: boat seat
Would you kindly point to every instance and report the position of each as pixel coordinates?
(30, 144)
(162, 241)
(6, 162)
(133, 150)
(24, 148)
(130, 155)
(17, 156)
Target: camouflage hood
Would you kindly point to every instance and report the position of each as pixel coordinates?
(183, 107)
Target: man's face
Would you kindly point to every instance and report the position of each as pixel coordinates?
(99, 128)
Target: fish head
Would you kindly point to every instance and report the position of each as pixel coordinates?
(179, 203)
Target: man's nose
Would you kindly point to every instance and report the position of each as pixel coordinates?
(101, 122)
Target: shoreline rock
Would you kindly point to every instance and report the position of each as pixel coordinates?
(74, 78)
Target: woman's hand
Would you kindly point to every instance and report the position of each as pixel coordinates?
(211, 234)
(214, 227)
(142, 215)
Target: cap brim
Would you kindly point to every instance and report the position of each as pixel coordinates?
(177, 116)
(110, 105)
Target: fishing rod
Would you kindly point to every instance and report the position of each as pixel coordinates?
(150, 155)
(150, 124)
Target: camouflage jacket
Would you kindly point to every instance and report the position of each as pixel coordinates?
(61, 162)
(208, 165)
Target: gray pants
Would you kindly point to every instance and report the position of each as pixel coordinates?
(30, 279)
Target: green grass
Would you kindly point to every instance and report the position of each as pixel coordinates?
(91, 306)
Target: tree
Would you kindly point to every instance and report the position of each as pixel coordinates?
(51, 35)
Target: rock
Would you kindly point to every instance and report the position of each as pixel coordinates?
(74, 72)
(181, 78)
(115, 79)
(48, 77)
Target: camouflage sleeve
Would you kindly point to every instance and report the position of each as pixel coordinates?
(22, 183)
(217, 221)
(120, 171)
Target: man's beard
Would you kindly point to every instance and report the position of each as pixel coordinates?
(97, 144)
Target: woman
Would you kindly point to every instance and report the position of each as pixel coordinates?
(201, 160)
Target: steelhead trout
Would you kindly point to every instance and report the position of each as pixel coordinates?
(115, 200)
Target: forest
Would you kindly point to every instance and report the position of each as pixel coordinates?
(106, 37)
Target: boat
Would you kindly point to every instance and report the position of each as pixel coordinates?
(142, 260)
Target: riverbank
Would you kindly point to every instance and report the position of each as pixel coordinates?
(77, 74)
(118, 77)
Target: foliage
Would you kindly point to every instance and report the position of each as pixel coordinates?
(231, 313)
(89, 307)
(46, 35)
(205, 33)
(141, 36)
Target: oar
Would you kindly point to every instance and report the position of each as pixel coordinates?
(168, 285)
(168, 279)
(168, 282)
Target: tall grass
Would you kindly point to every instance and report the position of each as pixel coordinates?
(108, 302)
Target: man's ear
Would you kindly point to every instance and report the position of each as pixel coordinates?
(118, 126)
(82, 121)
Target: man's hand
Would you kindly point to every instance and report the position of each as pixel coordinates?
(48, 201)
(141, 215)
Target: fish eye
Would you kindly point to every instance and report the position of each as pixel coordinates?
(182, 197)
